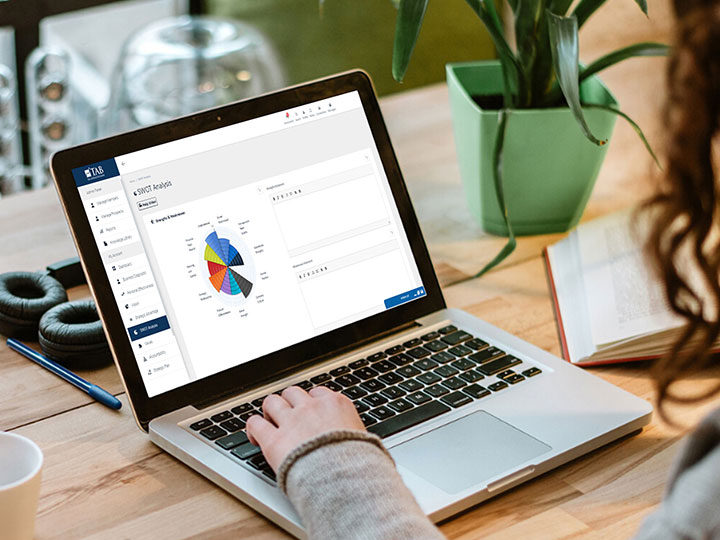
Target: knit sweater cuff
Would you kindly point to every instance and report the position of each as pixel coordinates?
(331, 437)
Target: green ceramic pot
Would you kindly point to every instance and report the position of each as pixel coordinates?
(549, 167)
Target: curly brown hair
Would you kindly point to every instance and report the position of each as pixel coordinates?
(685, 208)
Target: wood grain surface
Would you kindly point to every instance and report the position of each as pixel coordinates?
(104, 479)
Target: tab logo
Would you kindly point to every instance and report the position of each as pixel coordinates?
(94, 171)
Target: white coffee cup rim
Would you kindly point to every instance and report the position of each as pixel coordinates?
(38, 455)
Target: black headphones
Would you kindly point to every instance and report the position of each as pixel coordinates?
(35, 305)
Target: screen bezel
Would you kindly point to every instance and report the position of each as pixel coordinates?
(284, 361)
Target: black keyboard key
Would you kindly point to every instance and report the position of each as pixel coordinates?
(425, 364)
(241, 409)
(454, 383)
(476, 391)
(367, 420)
(377, 356)
(496, 387)
(436, 390)
(232, 441)
(360, 407)
(471, 376)
(460, 350)
(400, 405)
(428, 378)
(408, 371)
(394, 350)
(393, 392)
(448, 329)
(512, 379)
(443, 357)
(269, 473)
(358, 363)
(436, 346)
(463, 364)
(383, 366)
(258, 462)
(401, 359)
(456, 337)
(246, 451)
(258, 402)
(374, 400)
(418, 398)
(528, 372)
(412, 343)
(232, 425)
(342, 370)
(373, 385)
(332, 385)
(409, 419)
(456, 399)
(419, 352)
(445, 371)
(476, 344)
(319, 379)
(430, 336)
(347, 380)
(365, 373)
(201, 424)
(355, 392)
(244, 417)
(390, 378)
(496, 366)
(382, 413)
(225, 415)
(411, 385)
(305, 385)
(485, 355)
(213, 432)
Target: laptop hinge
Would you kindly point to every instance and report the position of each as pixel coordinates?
(204, 404)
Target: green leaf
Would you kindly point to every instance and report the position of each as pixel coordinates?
(642, 4)
(636, 50)
(632, 51)
(407, 27)
(564, 46)
(585, 8)
(512, 72)
(503, 116)
(560, 7)
(631, 122)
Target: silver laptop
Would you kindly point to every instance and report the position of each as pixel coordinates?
(272, 242)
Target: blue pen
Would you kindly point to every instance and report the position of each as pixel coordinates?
(97, 393)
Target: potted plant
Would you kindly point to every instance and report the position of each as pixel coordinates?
(531, 127)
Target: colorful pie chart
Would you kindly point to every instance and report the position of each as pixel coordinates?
(226, 267)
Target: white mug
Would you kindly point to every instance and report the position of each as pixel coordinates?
(20, 465)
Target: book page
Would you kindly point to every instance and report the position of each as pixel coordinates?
(624, 298)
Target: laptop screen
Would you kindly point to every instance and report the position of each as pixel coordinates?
(235, 243)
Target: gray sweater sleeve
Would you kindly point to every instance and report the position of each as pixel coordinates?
(344, 485)
(690, 509)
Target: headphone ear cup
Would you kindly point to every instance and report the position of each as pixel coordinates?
(24, 297)
(72, 334)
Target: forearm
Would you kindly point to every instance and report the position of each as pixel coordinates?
(344, 485)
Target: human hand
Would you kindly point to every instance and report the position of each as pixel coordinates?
(297, 416)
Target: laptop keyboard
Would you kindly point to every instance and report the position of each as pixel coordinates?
(392, 390)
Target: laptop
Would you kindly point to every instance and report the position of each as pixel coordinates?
(272, 242)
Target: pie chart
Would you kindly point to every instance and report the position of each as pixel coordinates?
(229, 269)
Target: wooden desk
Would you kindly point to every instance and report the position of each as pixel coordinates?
(104, 479)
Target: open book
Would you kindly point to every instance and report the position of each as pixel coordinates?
(610, 307)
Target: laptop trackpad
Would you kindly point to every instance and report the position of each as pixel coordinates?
(467, 452)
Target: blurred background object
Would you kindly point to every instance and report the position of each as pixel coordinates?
(180, 65)
(102, 67)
